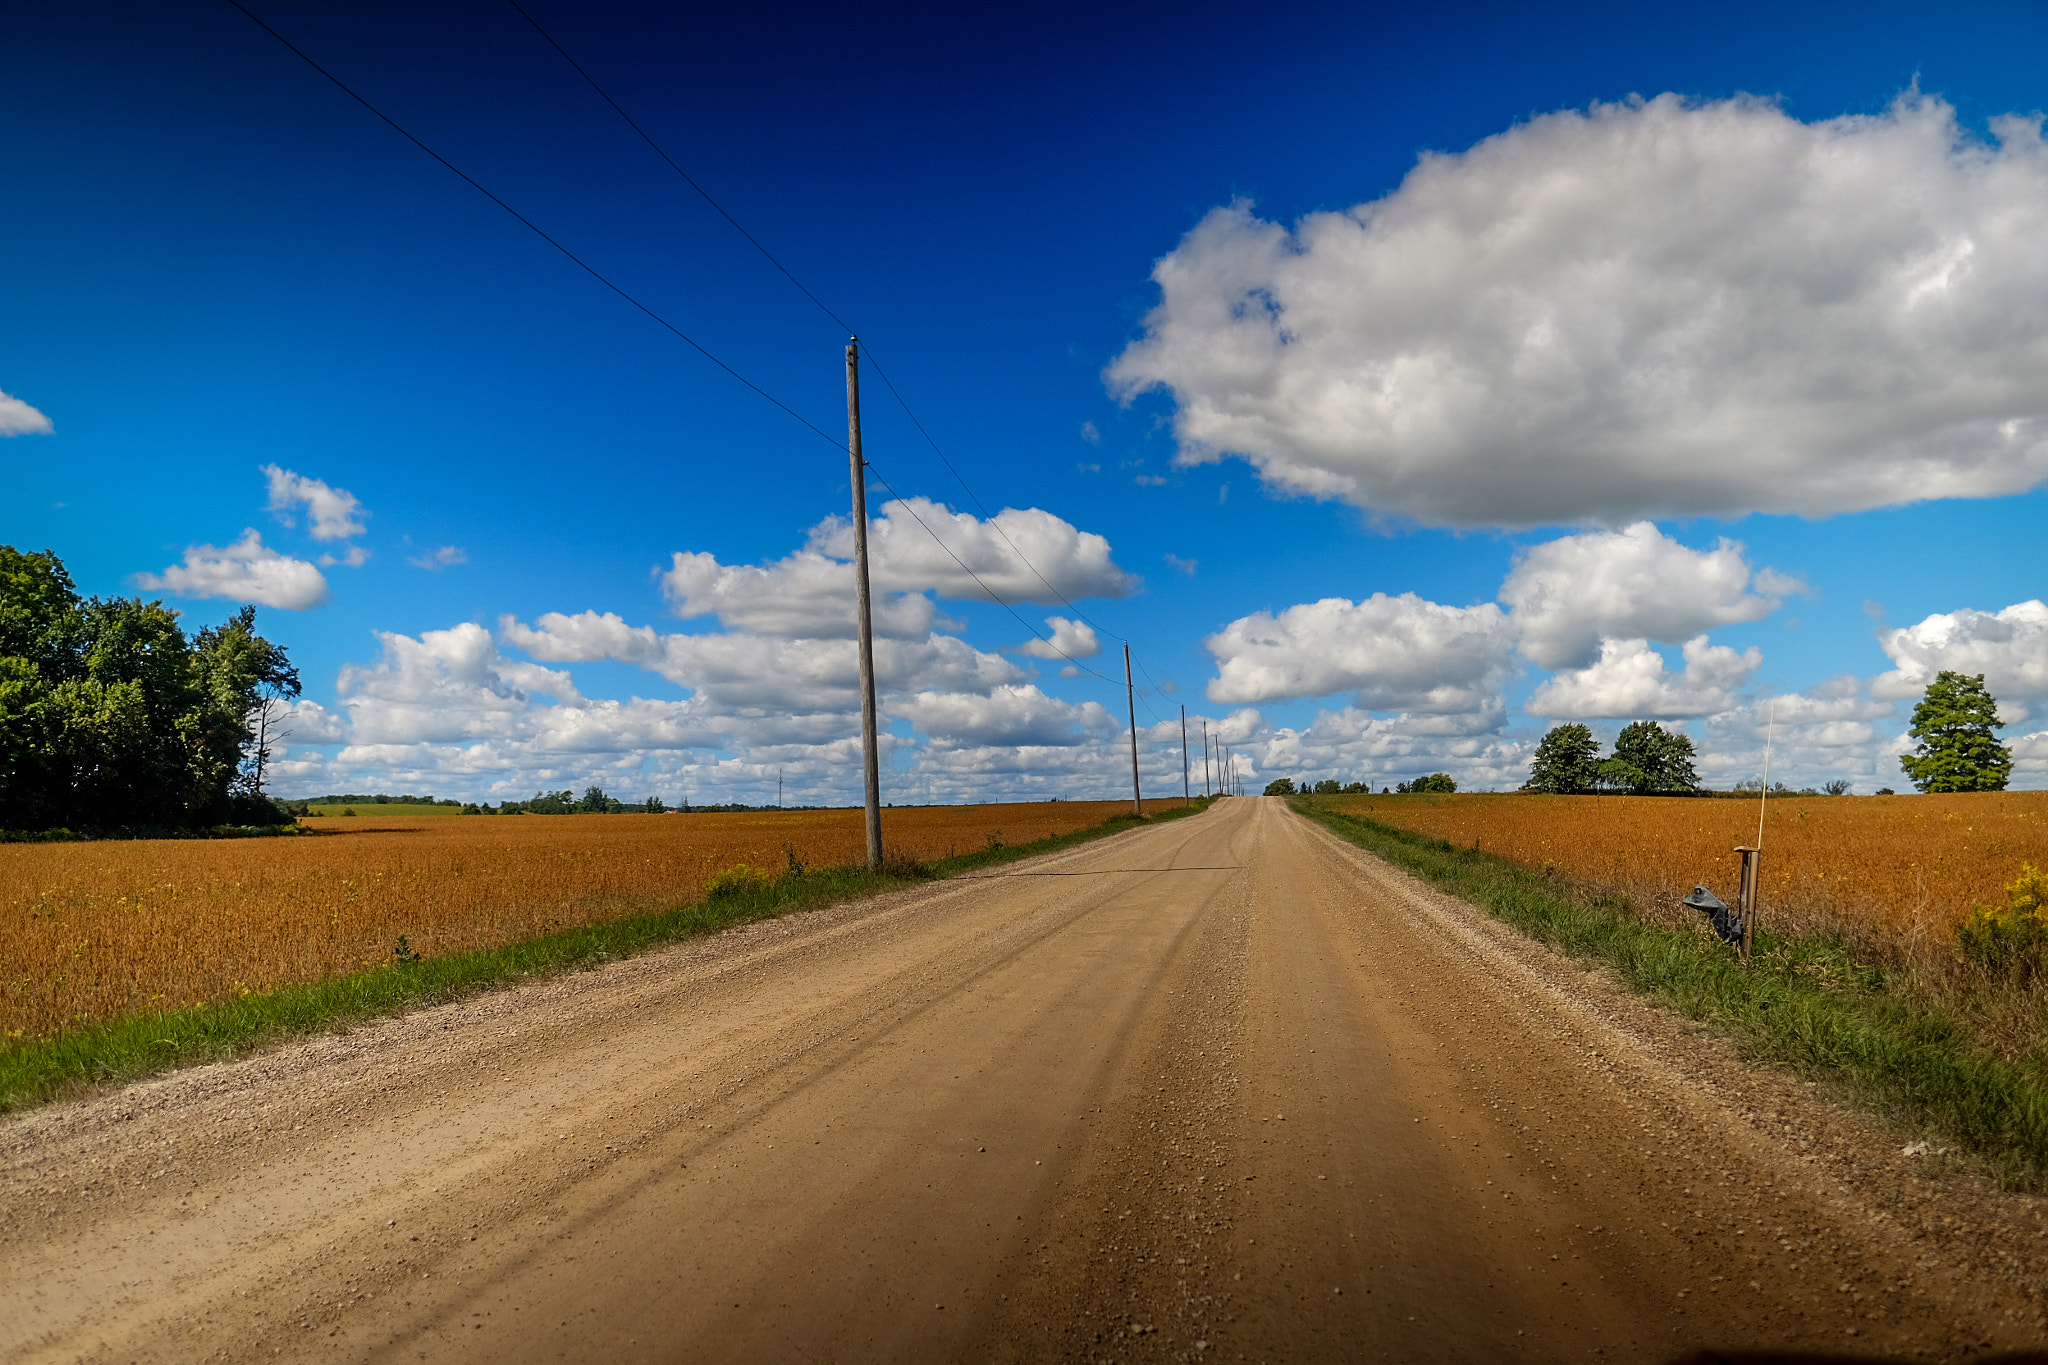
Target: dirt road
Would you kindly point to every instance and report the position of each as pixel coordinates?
(1221, 1089)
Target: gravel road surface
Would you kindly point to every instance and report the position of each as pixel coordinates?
(1221, 1089)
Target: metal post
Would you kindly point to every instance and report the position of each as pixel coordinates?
(870, 759)
(1187, 791)
(1745, 898)
(1131, 706)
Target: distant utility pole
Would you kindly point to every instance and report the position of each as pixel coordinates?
(1207, 788)
(778, 789)
(870, 761)
(1187, 795)
(1131, 707)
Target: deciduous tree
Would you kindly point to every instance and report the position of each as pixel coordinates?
(1567, 761)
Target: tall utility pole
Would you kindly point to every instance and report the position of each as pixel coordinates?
(1131, 707)
(1207, 789)
(870, 760)
(1187, 795)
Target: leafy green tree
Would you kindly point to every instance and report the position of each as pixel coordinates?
(1441, 783)
(1957, 751)
(1649, 759)
(1329, 786)
(1567, 761)
(1280, 786)
(654, 805)
(110, 717)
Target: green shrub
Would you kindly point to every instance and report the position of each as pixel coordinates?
(738, 881)
(2013, 938)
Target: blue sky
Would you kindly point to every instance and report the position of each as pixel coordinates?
(1398, 384)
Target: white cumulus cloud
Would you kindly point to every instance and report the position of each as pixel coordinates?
(1006, 715)
(336, 512)
(806, 595)
(1631, 680)
(246, 571)
(2009, 647)
(1026, 555)
(1395, 653)
(1648, 308)
(1070, 640)
(19, 419)
(1569, 594)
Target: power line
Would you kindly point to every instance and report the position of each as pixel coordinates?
(533, 227)
(695, 345)
(790, 275)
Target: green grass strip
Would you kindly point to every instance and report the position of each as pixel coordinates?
(1802, 1004)
(123, 1050)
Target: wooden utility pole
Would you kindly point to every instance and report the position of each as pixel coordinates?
(1131, 708)
(1187, 794)
(870, 759)
(1208, 789)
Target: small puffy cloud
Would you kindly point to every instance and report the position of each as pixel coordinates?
(1091, 434)
(806, 595)
(1569, 594)
(1007, 715)
(1649, 308)
(336, 512)
(246, 571)
(1395, 653)
(307, 722)
(1630, 680)
(1179, 565)
(19, 419)
(2009, 647)
(903, 556)
(445, 557)
(1070, 640)
(355, 556)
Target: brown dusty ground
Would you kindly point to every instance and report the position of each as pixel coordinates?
(1222, 1089)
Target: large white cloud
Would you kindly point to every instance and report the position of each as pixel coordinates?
(19, 419)
(1395, 653)
(246, 571)
(1070, 640)
(2009, 647)
(1569, 594)
(337, 513)
(1006, 715)
(744, 673)
(1630, 680)
(1637, 309)
(1024, 555)
(807, 595)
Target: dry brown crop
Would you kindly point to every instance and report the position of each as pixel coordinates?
(1900, 865)
(92, 931)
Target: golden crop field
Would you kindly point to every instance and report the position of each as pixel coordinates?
(93, 931)
(1900, 864)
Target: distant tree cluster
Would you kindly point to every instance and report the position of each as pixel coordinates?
(1441, 783)
(376, 799)
(594, 801)
(1647, 760)
(112, 718)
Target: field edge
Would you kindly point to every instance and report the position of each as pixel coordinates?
(1891, 1056)
(121, 1051)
